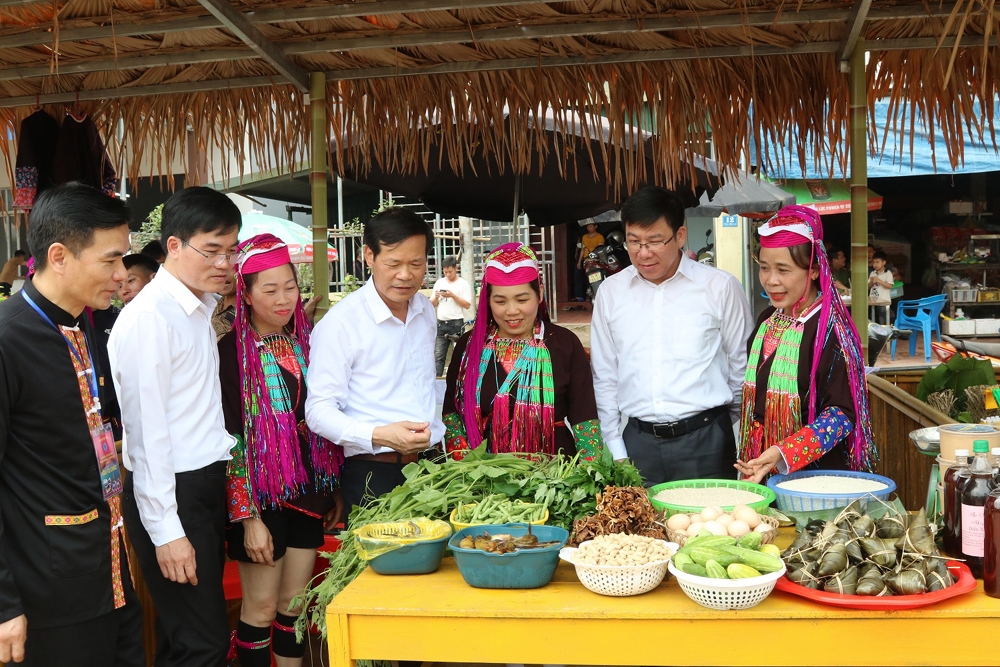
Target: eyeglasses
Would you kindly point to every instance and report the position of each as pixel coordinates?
(213, 259)
(651, 246)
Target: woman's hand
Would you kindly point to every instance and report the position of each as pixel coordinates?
(257, 542)
(756, 469)
(332, 518)
(309, 307)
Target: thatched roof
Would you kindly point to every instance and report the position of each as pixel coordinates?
(403, 73)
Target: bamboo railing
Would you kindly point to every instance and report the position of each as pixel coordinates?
(895, 411)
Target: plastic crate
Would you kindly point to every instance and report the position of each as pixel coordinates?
(670, 509)
(989, 295)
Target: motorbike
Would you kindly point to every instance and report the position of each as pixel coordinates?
(706, 254)
(598, 265)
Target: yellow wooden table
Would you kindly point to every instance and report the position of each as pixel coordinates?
(437, 617)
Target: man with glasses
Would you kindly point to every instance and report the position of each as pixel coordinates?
(668, 351)
(166, 368)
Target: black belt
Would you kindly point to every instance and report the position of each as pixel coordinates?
(681, 427)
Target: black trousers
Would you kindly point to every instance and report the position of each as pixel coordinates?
(111, 640)
(364, 480)
(707, 453)
(192, 629)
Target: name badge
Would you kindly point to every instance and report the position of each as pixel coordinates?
(107, 460)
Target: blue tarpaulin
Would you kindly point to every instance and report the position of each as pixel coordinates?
(929, 155)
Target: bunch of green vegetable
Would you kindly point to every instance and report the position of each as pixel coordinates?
(567, 486)
(498, 508)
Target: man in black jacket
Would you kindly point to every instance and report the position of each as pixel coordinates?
(66, 594)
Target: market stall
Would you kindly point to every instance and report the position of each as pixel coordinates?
(439, 618)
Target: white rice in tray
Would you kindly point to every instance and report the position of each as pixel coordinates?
(717, 496)
(832, 485)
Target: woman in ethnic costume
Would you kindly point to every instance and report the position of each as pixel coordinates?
(805, 400)
(518, 382)
(282, 478)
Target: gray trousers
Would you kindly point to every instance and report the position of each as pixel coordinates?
(445, 328)
(707, 453)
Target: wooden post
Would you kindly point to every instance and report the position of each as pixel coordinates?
(859, 194)
(318, 181)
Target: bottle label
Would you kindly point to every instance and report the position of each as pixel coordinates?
(973, 530)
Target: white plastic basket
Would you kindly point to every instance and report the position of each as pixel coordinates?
(726, 593)
(619, 580)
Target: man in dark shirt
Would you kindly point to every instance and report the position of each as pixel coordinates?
(66, 595)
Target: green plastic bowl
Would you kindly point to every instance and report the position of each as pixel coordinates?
(417, 558)
(531, 568)
(670, 509)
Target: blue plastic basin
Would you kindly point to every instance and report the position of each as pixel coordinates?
(530, 568)
(418, 558)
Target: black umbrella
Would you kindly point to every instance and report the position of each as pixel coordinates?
(548, 195)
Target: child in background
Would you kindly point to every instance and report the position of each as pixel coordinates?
(879, 286)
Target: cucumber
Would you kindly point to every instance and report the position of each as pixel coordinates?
(715, 571)
(749, 541)
(695, 569)
(759, 561)
(707, 541)
(770, 550)
(681, 559)
(702, 555)
(740, 571)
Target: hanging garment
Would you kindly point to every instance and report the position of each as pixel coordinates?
(80, 156)
(36, 151)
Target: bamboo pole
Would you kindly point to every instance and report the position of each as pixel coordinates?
(318, 179)
(859, 194)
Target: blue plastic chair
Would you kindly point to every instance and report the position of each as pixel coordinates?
(920, 315)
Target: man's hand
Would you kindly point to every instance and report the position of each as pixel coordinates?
(333, 517)
(756, 469)
(13, 634)
(404, 437)
(177, 561)
(257, 542)
(309, 307)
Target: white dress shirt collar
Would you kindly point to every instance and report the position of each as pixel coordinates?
(380, 311)
(684, 268)
(182, 294)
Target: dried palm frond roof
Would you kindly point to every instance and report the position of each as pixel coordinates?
(402, 74)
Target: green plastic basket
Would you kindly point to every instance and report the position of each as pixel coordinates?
(670, 509)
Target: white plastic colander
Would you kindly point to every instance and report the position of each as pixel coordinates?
(619, 580)
(726, 593)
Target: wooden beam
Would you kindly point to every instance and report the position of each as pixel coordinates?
(859, 12)
(919, 43)
(240, 26)
(407, 39)
(132, 62)
(548, 31)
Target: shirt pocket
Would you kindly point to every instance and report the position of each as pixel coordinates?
(77, 544)
(695, 337)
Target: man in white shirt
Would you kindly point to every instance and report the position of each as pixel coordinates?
(668, 350)
(165, 362)
(452, 295)
(371, 362)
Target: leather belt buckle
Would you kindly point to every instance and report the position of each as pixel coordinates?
(665, 431)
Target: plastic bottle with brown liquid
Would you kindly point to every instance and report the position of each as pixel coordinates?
(991, 553)
(952, 503)
(974, 496)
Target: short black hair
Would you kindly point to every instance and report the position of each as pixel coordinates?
(880, 255)
(153, 250)
(19, 253)
(142, 262)
(197, 211)
(649, 204)
(394, 225)
(449, 262)
(69, 214)
(833, 251)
